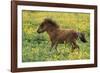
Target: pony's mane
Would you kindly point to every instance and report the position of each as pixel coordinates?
(52, 23)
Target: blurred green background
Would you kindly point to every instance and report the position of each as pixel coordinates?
(36, 47)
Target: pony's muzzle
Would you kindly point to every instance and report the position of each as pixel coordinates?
(38, 31)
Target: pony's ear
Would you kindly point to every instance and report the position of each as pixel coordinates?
(47, 19)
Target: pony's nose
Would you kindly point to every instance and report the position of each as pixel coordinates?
(38, 31)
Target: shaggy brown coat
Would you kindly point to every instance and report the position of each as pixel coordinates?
(58, 35)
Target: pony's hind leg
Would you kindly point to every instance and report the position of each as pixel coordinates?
(75, 46)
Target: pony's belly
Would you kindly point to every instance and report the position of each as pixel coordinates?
(61, 41)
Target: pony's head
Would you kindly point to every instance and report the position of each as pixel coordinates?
(47, 24)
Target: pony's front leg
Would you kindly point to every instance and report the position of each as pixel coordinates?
(54, 45)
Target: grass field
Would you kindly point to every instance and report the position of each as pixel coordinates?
(36, 47)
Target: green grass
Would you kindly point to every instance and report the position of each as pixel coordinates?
(36, 47)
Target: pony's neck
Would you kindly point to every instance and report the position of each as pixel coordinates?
(52, 32)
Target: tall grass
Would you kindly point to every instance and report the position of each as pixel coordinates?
(36, 47)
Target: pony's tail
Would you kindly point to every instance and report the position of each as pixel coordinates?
(82, 37)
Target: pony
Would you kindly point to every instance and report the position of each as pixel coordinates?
(58, 35)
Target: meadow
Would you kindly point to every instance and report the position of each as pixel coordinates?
(36, 47)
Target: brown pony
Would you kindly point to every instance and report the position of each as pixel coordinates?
(58, 35)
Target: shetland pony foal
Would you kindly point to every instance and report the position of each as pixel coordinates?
(58, 35)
